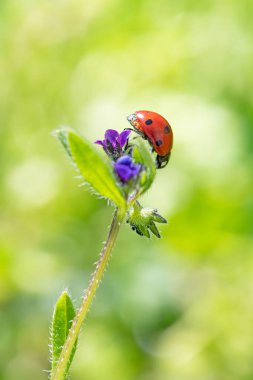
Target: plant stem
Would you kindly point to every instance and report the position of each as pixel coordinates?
(59, 371)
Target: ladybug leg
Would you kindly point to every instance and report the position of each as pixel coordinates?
(129, 129)
(136, 131)
(128, 144)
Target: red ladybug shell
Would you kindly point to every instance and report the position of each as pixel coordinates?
(155, 128)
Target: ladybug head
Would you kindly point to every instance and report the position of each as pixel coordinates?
(133, 120)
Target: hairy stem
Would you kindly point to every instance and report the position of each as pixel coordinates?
(59, 372)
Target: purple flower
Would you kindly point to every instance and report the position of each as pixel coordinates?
(114, 142)
(126, 168)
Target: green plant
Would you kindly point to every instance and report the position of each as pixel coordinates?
(121, 178)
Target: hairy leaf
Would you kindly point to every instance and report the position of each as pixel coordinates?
(63, 316)
(96, 170)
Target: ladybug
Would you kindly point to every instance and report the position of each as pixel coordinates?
(156, 129)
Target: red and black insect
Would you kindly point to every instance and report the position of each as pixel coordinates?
(156, 129)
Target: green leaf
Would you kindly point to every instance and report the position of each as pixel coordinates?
(62, 135)
(142, 154)
(64, 313)
(96, 170)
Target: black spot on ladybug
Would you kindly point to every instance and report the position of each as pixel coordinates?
(166, 130)
(148, 122)
(159, 142)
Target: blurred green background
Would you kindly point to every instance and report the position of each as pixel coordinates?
(179, 308)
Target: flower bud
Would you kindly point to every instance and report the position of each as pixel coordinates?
(142, 220)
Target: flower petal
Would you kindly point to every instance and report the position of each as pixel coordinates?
(111, 135)
(100, 142)
(122, 139)
(125, 160)
(135, 169)
(124, 172)
(126, 169)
